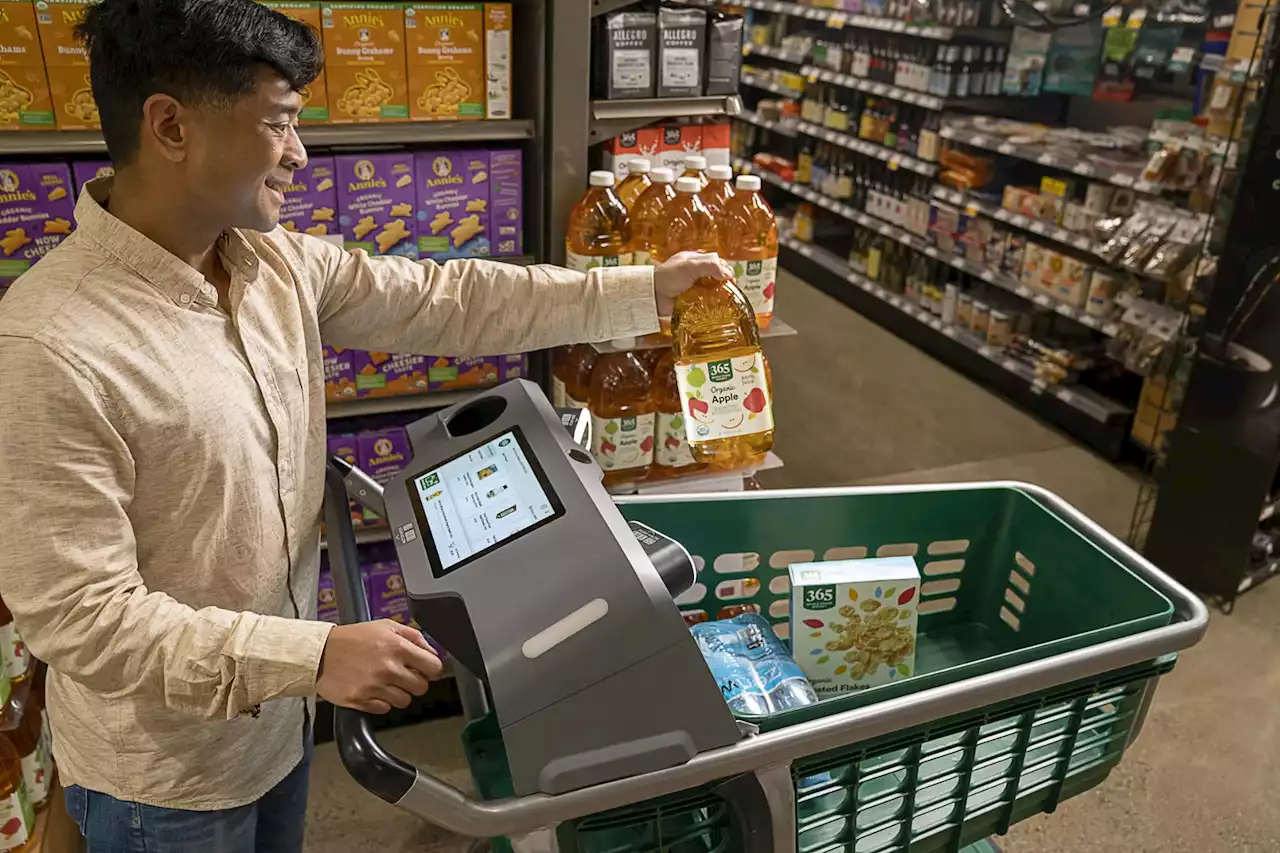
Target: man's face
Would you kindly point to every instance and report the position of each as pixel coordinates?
(242, 157)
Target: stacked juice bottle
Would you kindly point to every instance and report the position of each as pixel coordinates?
(635, 183)
(599, 227)
(715, 346)
(17, 817)
(695, 166)
(571, 375)
(719, 189)
(13, 651)
(622, 419)
(647, 213)
(671, 456)
(749, 241)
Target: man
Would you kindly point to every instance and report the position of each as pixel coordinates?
(162, 433)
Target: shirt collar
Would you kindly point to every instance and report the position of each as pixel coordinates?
(163, 270)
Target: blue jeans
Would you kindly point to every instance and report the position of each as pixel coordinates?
(273, 824)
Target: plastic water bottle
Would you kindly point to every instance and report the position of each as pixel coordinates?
(753, 668)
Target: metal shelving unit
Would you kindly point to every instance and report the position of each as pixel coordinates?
(610, 118)
(786, 128)
(868, 149)
(837, 19)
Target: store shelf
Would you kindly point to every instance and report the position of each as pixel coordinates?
(868, 149)
(837, 19)
(848, 81)
(1130, 178)
(1047, 230)
(366, 536)
(1261, 574)
(901, 235)
(1096, 420)
(610, 118)
(793, 56)
(385, 405)
(777, 329)
(786, 128)
(769, 86)
(353, 135)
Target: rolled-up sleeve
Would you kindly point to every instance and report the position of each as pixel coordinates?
(470, 307)
(69, 479)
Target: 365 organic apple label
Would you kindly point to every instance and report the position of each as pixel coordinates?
(582, 263)
(725, 397)
(621, 443)
(756, 280)
(672, 449)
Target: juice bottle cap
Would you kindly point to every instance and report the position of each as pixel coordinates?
(688, 185)
(638, 166)
(748, 183)
(720, 173)
(600, 179)
(662, 176)
(695, 161)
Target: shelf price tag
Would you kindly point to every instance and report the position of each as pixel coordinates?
(1120, 179)
(978, 139)
(1065, 396)
(894, 163)
(1046, 159)
(837, 21)
(1010, 365)
(1006, 148)
(949, 331)
(1038, 386)
(1043, 301)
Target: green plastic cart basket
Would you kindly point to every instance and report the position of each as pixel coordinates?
(1041, 640)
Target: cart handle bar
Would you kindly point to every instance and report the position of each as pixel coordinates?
(447, 807)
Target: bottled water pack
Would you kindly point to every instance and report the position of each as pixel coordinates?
(756, 673)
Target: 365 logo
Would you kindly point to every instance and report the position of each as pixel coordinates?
(720, 371)
(819, 597)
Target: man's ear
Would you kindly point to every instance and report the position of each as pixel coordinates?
(166, 126)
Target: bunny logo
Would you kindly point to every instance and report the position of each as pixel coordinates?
(8, 181)
(395, 583)
(364, 170)
(383, 447)
(442, 166)
(444, 34)
(363, 34)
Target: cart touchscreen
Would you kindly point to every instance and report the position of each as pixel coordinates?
(481, 499)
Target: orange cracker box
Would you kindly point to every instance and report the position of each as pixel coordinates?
(24, 88)
(315, 98)
(497, 60)
(67, 64)
(365, 62)
(645, 143)
(446, 60)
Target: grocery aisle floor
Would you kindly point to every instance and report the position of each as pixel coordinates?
(858, 405)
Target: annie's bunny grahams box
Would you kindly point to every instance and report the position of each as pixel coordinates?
(853, 622)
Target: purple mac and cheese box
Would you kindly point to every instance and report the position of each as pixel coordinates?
(387, 598)
(453, 204)
(513, 367)
(37, 207)
(345, 447)
(85, 171)
(339, 374)
(506, 202)
(376, 198)
(311, 201)
(382, 455)
(326, 600)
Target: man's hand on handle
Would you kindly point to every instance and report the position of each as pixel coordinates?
(375, 666)
(677, 274)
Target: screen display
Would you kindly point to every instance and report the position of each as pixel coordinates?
(481, 499)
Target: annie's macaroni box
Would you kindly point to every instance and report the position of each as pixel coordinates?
(339, 374)
(506, 202)
(453, 204)
(311, 201)
(36, 208)
(853, 622)
(376, 199)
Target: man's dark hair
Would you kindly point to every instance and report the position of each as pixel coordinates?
(198, 51)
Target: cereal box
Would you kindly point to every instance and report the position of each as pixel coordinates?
(376, 199)
(85, 171)
(24, 88)
(315, 97)
(506, 202)
(311, 201)
(645, 142)
(382, 455)
(853, 622)
(497, 60)
(364, 53)
(390, 374)
(345, 448)
(451, 374)
(453, 204)
(36, 207)
(446, 60)
(67, 64)
(339, 374)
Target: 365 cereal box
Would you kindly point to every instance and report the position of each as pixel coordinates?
(67, 63)
(390, 374)
(311, 200)
(365, 62)
(24, 88)
(376, 198)
(497, 60)
(506, 202)
(315, 97)
(36, 206)
(446, 60)
(453, 204)
(853, 622)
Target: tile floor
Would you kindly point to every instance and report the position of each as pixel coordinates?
(858, 405)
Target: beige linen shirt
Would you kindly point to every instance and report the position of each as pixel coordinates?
(161, 466)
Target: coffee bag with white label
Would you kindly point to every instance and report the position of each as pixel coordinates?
(682, 45)
(724, 54)
(626, 58)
